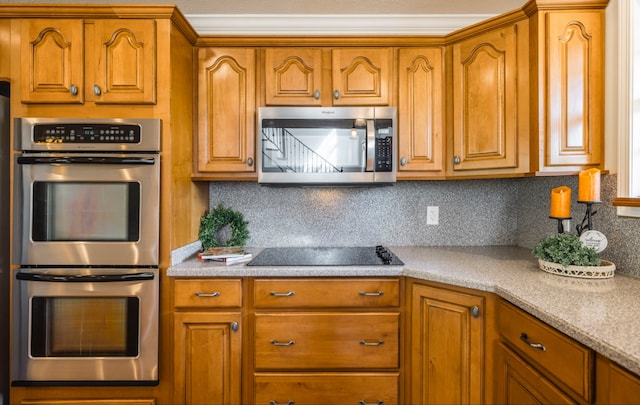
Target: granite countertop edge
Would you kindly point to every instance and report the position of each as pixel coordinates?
(601, 314)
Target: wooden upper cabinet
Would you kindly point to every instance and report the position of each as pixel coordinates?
(119, 57)
(571, 82)
(226, 110)
(420, 113)
(124, 62)
(293, 76)
(488, 116)
(330, 77)
(361, 76)
(52, 53)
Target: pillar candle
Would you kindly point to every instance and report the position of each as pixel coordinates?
(589, 185)
(560, 202)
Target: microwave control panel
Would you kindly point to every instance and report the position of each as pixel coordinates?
(384, 161)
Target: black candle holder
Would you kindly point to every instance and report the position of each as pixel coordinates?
(560, 225)
(587, 223)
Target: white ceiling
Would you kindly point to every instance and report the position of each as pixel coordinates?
(326, 17)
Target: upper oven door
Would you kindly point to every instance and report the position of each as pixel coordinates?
(86, 210)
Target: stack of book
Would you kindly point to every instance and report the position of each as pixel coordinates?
(225, 255)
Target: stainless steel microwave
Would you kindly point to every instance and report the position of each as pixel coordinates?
(326, 145)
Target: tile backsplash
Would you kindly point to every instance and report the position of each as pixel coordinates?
(471, 213)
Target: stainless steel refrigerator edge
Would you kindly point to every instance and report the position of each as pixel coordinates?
(4, 241)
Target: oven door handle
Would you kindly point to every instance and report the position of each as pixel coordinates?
(67, 160)
(85, 278)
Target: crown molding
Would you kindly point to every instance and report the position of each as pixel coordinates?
(332, 24)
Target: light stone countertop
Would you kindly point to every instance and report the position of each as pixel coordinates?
(602, 314)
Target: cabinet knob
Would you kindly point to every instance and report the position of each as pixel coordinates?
(96, 90)
(234, 326)
(73, 89)
(403, 161)
(336, 94)
(250, 161)
(456, 160)
(475, 311)
(316, 94)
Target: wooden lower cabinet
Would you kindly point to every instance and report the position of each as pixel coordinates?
(447, 345)
(326, 341)
(614, 384)
(519, 383)
(563, 362)
(207, 343)
(326, 388)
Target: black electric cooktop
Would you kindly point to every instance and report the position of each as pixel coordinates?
(326, 256)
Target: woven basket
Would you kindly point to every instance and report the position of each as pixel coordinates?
(605, 270)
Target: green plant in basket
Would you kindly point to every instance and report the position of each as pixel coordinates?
(215, 220)
(566, 249)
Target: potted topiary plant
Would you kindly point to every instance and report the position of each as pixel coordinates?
(567, 255)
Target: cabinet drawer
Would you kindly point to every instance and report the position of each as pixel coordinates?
(305, 293)
(203, 293)
(326, 340)
(560, 357)
(326, 388)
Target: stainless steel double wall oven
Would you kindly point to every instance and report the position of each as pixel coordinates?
(86, 234)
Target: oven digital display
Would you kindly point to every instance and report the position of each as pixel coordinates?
(86, 133)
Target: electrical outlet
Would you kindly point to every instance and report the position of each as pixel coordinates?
(433, 215)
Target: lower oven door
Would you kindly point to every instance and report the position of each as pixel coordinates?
(85, 327)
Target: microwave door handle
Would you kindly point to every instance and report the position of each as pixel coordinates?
(85, 278)
(108, 160)
(371, 146)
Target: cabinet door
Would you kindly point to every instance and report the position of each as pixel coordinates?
(52, 61)
(207, 358)
(326, 388)
(485, 113)
(293, 76)
(420, 112)
(334, 340)
(361, 76)
(575, 86)
(518, 383)
(123, 62)
(614, 384)
(226, 110)
(446, 346)
(5, 48)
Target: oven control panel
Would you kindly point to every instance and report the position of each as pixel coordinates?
(86, 133)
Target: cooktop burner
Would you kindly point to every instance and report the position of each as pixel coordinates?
(326, 256)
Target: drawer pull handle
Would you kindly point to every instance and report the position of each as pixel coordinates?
(289, 402)
(372, 294)
(276, 343)
(213, 294)
(377, 343)
(363, 402)
(539, 346)
(287, 294)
